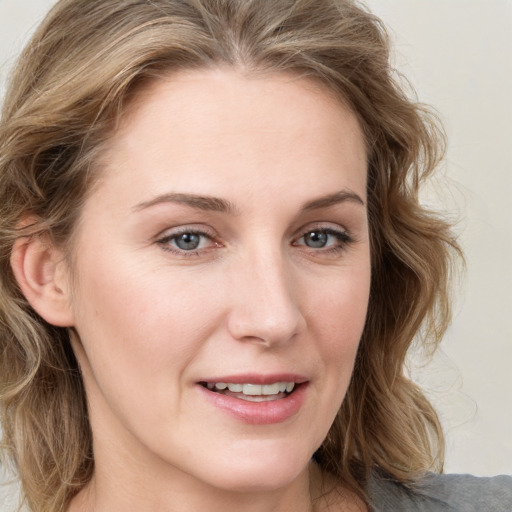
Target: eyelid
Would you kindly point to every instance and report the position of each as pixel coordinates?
(322, 226)
(186, 228)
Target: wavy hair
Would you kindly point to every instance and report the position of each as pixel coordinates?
(65, 98)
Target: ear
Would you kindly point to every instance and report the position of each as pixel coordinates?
(40, 270)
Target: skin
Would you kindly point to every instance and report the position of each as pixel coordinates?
(154, 320)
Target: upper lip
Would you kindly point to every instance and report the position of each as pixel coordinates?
(255, 378)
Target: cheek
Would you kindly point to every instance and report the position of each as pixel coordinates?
(137, 325)
(339, 307)
(337, 319)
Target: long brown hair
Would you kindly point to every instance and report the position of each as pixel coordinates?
(65, 96)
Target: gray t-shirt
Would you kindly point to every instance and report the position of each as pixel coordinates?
(443, 493)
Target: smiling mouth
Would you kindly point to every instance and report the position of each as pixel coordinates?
(252, 392)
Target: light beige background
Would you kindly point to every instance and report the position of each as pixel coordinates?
(458, 54)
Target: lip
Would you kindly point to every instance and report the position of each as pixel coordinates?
(258, 413)
(255, 378)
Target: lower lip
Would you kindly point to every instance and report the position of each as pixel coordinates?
(259, 413)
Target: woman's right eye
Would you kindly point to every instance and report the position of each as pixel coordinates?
(184, 242)
(187, 241)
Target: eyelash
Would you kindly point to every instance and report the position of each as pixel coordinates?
(344, 240)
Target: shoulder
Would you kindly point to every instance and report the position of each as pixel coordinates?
(442, 493)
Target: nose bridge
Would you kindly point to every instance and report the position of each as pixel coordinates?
(265, 307)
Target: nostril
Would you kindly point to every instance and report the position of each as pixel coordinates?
(267, 328)
(263, 306)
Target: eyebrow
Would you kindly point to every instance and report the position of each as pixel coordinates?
(205, 203)
(216, 204)
(333, 199)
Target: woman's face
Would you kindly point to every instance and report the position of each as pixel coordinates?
(222, 261)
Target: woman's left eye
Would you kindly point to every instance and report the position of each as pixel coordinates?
(324, 238)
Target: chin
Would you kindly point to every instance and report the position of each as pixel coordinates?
(253, 469)
(257, 480)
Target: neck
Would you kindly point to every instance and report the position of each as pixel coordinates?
(310, 492)
(104, 494)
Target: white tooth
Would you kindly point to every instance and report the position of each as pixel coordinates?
(221, 385)
(290, 386)
(210, 385)
(282, 387)
(252, 389)
(235, 388)
(259, 398)
(270, 389)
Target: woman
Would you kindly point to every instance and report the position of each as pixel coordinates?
(214, 261)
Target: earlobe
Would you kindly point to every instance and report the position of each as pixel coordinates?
(38, 269)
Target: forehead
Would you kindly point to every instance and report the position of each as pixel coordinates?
(219, 124)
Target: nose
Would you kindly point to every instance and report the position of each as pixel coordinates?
(264, 302)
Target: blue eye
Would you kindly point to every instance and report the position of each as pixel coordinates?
(316, 239)
(187, 241)
(325, 238)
